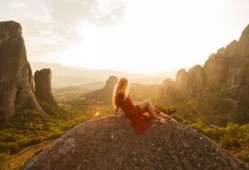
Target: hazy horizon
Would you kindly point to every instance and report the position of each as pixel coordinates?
(130, 35)
(80, 68)
(65, 76)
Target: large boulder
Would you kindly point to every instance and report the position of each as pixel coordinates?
(16, 80)
(43, 86)
(101, 144)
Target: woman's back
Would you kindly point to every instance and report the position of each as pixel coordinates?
(126, 105)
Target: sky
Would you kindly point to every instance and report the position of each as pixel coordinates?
(140, 36)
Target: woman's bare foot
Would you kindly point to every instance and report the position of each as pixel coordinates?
(168, 120)
(171, 120)
(162, 120)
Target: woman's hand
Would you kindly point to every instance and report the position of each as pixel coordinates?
(115, 114)
(114, 118)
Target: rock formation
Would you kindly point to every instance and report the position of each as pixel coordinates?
(168, 86)
(101, 144)
(43, 86)
(16, 80)
(182, 80)
(102, 96)
(191, 82)
(226, 71)
(195, 81)
(216, 68)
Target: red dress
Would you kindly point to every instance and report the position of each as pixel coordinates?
(134, 113)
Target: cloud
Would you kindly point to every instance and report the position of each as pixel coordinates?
(64, 16)
(51, 26)
(17, 4)
(93, 11)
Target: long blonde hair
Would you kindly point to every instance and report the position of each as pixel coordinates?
(121, 87)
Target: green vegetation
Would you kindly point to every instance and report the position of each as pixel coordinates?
(168, 110)
(16, 161)
(212, 110)
(3, 159)
(29, 128)
(233, 137)
(209, 116)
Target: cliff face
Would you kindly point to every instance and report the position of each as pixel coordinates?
(43, 86)
(16, 80)
(215, 69)
(101, 144)
(226, 71)
(191, 82)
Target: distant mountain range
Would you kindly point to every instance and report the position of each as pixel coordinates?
(63, 76)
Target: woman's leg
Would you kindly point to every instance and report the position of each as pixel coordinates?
(148, 107)
(163, 115)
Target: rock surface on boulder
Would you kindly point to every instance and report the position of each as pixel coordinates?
(101, 144)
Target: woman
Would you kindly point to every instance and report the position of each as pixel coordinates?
(139, 114)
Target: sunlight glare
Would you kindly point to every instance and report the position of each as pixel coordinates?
(97, 114)
(170, 36)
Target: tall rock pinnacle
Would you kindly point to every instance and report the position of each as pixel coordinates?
(43, 86)
(16, 80)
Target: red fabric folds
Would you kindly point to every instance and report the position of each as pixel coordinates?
(138, 121)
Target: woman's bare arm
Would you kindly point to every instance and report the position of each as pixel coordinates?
(116, 112)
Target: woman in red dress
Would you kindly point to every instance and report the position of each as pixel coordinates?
(140, 114)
